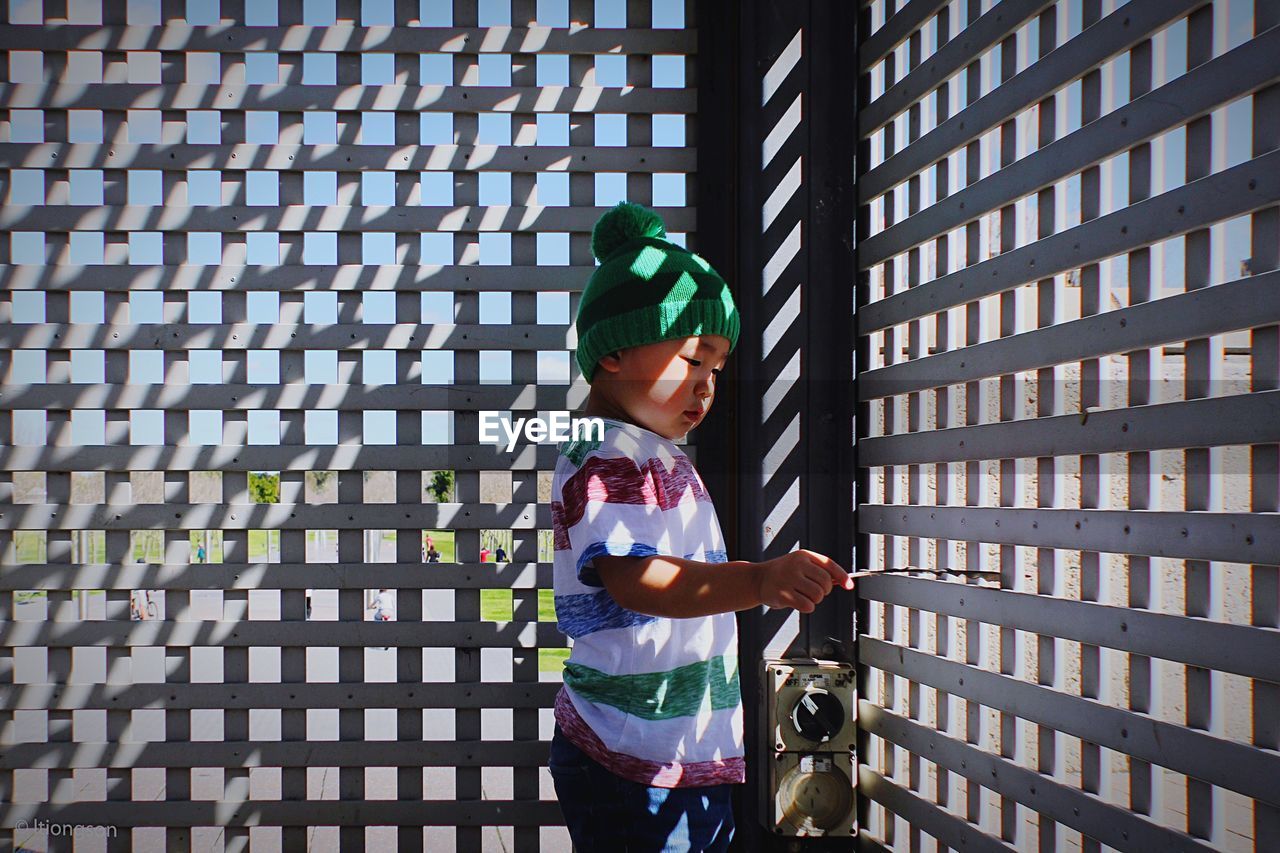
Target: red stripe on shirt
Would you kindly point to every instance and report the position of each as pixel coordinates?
(619, 480)
(559, 531)
(652, 773)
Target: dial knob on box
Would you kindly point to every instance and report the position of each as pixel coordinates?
(818, 715)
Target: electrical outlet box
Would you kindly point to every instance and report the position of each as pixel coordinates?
(811, 717)
(812, 705)
(813, 794)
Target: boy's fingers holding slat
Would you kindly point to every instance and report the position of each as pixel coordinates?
(839, 576)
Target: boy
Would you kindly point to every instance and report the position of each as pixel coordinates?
(648, 734)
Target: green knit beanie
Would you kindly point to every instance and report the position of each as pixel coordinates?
(647, 289)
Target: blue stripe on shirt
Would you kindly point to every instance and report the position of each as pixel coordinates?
(589, 576)
(585, 613)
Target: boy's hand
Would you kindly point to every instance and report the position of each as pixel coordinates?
(800, 580)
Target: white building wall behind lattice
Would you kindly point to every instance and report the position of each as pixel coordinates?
(262, 264)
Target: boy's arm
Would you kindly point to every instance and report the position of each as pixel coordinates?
(678, 588)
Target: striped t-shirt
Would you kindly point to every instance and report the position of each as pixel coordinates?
(653, 699)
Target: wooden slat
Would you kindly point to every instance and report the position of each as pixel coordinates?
(178, 515)
(287, 336)
(296, 396)
(238, 157)
(1232, 419)
(388, 98)
(345, 37)
(278, 576)
(237, 815)
(286, 633)
(298, 218)
(180, 278)
(1232, 537)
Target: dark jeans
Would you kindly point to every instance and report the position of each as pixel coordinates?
(605, 812)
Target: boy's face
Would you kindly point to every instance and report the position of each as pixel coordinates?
(667, 387)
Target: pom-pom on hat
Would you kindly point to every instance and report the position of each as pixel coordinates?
(647, 289)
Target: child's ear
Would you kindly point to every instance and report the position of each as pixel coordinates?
(611, 362)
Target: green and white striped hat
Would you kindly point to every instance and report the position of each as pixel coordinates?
(647, 289)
